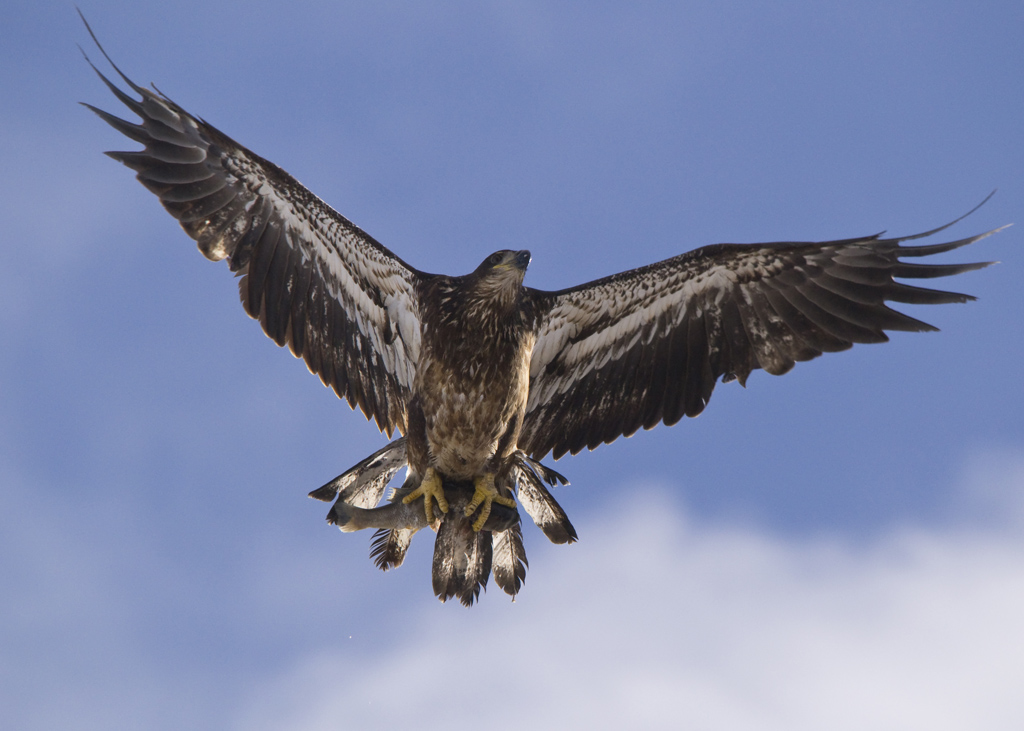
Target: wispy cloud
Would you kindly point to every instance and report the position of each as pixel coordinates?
(656, 620)
(710, 627)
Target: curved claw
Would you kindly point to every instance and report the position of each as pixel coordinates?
(430, 487)
(483, 496)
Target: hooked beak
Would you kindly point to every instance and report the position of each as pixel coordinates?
(522, 259)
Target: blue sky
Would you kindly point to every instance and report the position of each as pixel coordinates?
(837, 548)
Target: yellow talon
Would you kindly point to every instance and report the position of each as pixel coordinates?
(485, 494)
(430, 487)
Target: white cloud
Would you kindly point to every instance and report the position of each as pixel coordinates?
(654, 620)
(652, 625)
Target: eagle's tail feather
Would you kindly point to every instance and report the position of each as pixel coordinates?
(462, 559)
(509, 562)
(462, 556)
(540, 504)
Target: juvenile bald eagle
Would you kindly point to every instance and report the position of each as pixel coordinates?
(482, 375)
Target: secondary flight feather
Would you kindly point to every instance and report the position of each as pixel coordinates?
(482, 376)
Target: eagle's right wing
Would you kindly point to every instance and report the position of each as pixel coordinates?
(647, 346)
(314, 280)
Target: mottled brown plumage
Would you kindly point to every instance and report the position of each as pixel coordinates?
(484, 376)
(465, 421)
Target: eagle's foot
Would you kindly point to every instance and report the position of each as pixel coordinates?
(483, 496)
(430, 488)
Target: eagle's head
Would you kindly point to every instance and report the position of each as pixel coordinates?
(499, 278)
(504, 263)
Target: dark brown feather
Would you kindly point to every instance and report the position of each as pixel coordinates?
(284, 242)
(719, 312)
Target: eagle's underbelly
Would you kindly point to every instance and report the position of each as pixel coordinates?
(465, 432)
(473, 412)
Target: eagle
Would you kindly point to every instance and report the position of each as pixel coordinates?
(478, 377)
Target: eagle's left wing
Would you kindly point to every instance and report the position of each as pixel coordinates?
(315, 281)
(648, 345)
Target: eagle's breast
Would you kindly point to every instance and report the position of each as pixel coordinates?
(472, 380)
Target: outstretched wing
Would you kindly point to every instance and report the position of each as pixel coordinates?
(648, 345)
(314, 280)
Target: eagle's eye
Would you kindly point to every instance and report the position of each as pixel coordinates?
(496, 258)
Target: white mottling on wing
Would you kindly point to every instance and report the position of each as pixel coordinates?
(355, 274)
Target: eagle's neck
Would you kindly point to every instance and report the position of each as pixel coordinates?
(481, 308)
(493, 299)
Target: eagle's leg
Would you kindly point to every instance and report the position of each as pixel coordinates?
(483, 496)
(430, 487)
